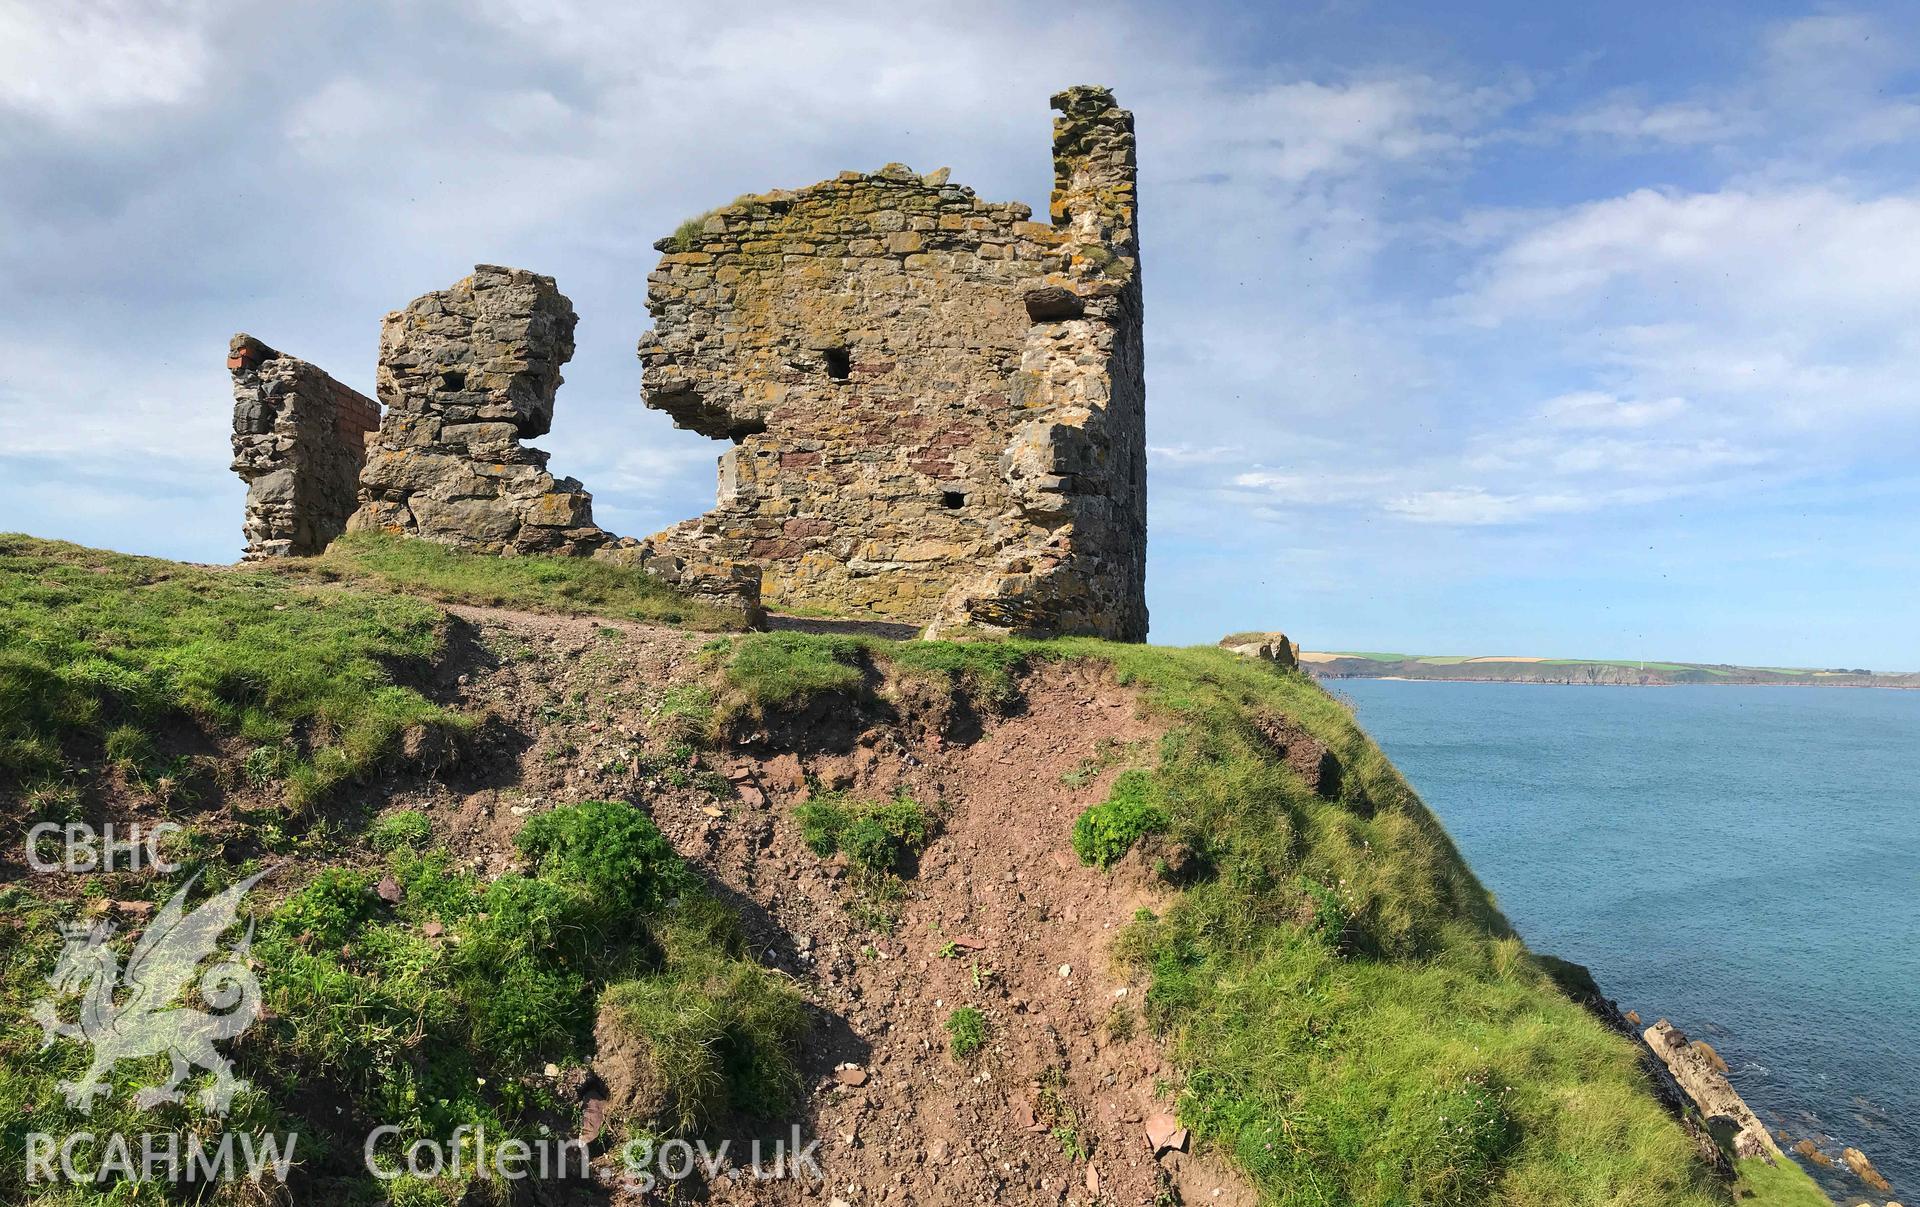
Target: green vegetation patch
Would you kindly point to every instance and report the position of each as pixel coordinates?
(966, 1032)
(880, 838)
(1108, 830)
(30, 1070)
(1356, 1020)
(400, 828)
(778, 670)
(441, 1008)
(720, 1030)
(686, 713)
(570, 586)
(99, 651)
(433, 1006)
(772, 671)
(1371, 655)
(1784, 1184)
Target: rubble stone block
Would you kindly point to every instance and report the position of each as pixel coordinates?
(467, 373)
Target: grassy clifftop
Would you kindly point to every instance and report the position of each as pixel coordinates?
(1349, 1017)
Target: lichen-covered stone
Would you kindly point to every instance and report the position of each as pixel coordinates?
(936, 404)
(466, 374)
(1270, 647)
(299, 440)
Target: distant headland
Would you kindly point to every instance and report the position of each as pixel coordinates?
(1604, 672)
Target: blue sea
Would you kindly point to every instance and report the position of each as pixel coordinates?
(1744, 861)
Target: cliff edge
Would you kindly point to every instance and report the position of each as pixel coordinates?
(1021, 921)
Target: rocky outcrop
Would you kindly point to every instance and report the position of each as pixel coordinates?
(466, 374)
(299, 440)
(1703, 1076)
(1270, 647)
(1864, 1170)
(935, 404)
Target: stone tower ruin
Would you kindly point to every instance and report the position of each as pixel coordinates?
(936, 406)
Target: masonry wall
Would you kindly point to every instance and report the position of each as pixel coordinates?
(466, 373)
(935, 404)
(299, 440)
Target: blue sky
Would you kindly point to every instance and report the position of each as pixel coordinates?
(1490, 328)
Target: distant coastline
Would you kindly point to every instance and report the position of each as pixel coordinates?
(1587, 672)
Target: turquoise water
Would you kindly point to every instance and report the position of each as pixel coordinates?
(1742, 860)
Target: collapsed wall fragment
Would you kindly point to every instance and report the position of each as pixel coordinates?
(466, 373)
(299, 440)
(937, 406)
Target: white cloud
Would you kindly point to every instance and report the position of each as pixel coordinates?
(1679, 123)
(1783, 318)
(1293, 131)
(1187, 454)
(1322, 488)
(84, 65)
(1598, 409)
(1611, 456)
(1841, 76)
(103, 415)
(1474, 506)
(1810, 250)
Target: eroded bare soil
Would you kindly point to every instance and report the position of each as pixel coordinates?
(1001, 915)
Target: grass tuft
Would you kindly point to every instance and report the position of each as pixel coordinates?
(880, 838)
(773, 671)
(688, 235)
(966, 1032)
(778, 670)
(719, 1032)
(401, 828)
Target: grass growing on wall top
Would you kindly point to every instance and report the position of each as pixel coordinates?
(99, 651)
(572, 586)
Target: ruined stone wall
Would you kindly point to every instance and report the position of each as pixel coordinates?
(1071, 557)
(299, 440)
(466, 374)
(935, 403)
